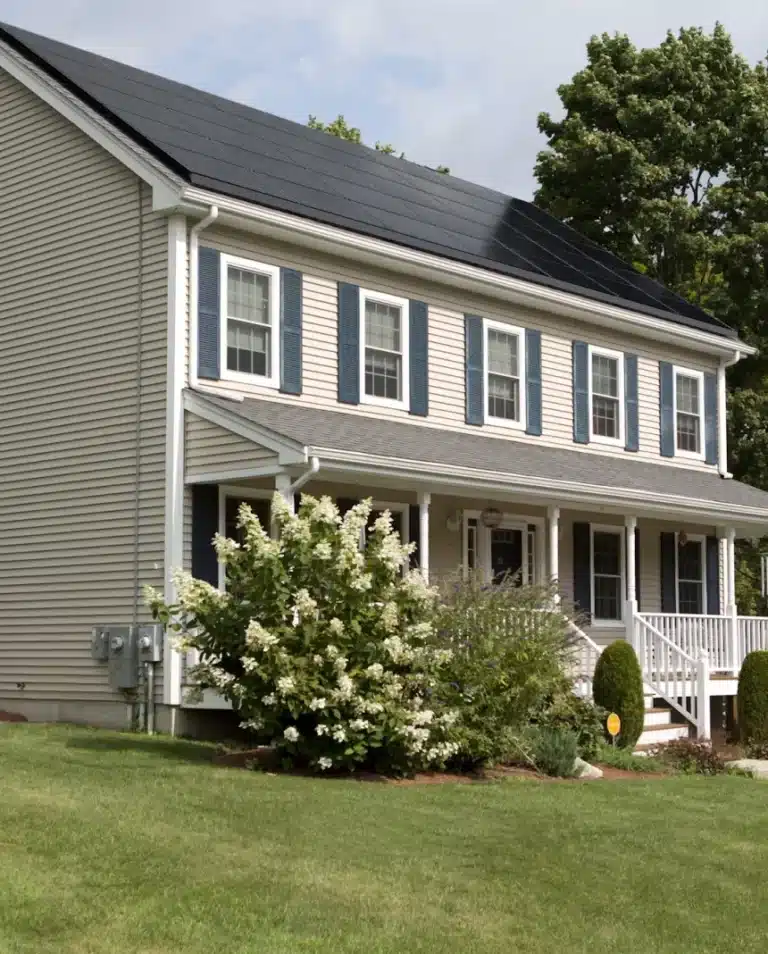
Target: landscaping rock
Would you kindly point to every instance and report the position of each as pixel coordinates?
(757, 768)
(582, 769)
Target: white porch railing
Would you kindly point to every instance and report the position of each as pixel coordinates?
(673, 674)
(753, 634)
(584, 658)
(696, 634)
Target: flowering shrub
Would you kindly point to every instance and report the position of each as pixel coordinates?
(507, 662)
(321, 642)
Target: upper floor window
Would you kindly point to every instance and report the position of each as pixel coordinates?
(689, 386)
(251, 315)
(606, 389)
(504, 373)
(384, 349)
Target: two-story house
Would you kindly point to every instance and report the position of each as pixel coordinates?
(201, 303)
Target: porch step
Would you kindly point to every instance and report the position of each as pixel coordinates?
(655, 734)
(654, 717)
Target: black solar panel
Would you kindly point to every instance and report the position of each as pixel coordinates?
(249, 154)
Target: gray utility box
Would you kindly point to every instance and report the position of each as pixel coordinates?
(151, 643)
(125, 649)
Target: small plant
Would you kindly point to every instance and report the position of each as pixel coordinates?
(690, 757)
(554, 751)
(753, 699)
(580, 716)
(614, 757)
(618, 687)
(757, 749)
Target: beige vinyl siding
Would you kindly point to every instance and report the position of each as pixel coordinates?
(83, 356)
(446, 349)
(210, 448)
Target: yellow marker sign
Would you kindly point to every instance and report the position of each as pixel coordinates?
(613, 724)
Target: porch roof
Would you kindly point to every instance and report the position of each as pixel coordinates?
(420, 452)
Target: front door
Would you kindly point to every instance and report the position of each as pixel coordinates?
(506, 554)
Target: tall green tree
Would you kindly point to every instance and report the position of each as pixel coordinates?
(661, 156)
(340, 128)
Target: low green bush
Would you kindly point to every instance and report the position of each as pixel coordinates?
(618, 687)
(580, 716)
(753, 699)
(553, 750)
(612, 756)
(690, 757)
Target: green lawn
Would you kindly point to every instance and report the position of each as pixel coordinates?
(118, 843)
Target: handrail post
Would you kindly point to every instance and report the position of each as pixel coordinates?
(703, 722)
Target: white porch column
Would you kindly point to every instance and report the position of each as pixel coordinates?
(631, 609)
(553, 517)
(424, 501)
(283, 484)
(731, 611)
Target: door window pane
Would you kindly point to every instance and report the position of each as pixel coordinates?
(605, 396)
(383, 350)
(606, 574)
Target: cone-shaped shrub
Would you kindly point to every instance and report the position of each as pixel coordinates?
(618, 687)
(753, 698)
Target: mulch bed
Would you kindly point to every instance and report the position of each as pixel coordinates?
(12, 717)
(264, 757)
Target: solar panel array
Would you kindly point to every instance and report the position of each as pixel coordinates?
(252, 155)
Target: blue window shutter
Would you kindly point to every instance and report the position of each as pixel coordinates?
(473, 361)
(582, 569)
(349, 343)
(208, 313)
(580, 392)
(418, 346)
(414, 534)
(668, 573)
(710, 418)
(667, 410)
(631, 417)
(533, 381)
(713, 576)
(205, 523)
(290, 330)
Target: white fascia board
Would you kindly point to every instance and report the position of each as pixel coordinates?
(470, 481)
(327, 238)
(288, 451)
(166, 186)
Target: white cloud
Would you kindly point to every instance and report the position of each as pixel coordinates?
(453, 81)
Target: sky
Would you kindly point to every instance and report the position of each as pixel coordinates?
(452, 82)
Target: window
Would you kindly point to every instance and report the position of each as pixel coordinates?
(606, 388)
(689, 386)
(250, 310)
(690, 576)
(607, 574)
(384, 349)
(504, 373)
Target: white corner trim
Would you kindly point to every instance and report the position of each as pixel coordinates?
(249, 216)
(167, 186)
(288, 451)
(173, 551)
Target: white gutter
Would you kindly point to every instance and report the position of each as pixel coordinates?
(722, 416)
(327, 238)
(194, 258)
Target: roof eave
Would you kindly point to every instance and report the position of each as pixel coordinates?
(327, 238)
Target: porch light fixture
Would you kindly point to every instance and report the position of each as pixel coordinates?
(491, 517)
(682, 538)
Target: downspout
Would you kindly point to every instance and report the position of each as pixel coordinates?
(722, 431)
(194, 232)
(314, 466)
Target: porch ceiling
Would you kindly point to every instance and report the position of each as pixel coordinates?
(354, 442)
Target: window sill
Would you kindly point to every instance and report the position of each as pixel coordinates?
(690, 455)
(505, 423)
(255, 380)
(372, 401)
(607, 441)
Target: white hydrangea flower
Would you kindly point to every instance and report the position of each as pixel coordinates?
(448, 718)
(390, 617)
(250, 665)
(225, 548)
(422, 717)
(316, 704)
(360, 724)
(340, 663)
(419, 631)
(397, 650)
(346, 687)
(253, 725)
(336, 626)
(269, 700)
(362, 583)
(291, 734)
(326, 511)
(375, 671)
(331, 651)
(304, 605)
(392, 553)
(339, 733)
(258, 637)
(321, 729)
(325, 763)
(323, 551)
(286, 685)
(374, 708)
(318, 660)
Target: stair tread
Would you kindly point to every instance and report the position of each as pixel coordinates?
(665, 728)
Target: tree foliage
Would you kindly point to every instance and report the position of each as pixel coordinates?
(340, 128)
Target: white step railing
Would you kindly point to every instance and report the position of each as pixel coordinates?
(676, 676)
(695, 634)
(753, 634)
(583, 661)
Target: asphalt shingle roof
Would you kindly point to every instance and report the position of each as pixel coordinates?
(248, 154)
(355, 433)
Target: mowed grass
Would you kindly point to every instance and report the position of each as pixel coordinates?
(118, 843)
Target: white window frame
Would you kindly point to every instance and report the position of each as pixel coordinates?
(506, 329)
(699, 376)
(620, 533)
(404, 306)
(243, 493)
(701, 539)
(618, 357)
(272, 272)
(510, 521)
